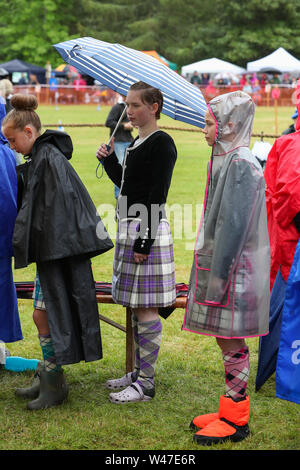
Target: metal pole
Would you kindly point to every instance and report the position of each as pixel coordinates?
(115, 129)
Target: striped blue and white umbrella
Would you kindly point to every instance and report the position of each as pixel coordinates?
(118, 67)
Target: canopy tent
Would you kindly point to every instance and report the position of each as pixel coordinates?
(156, 56)
(279, 61)
(66, 69)
(211, 66)
(14, 66)
(17, 65)
(3, 72)
(172, 65)
(162, 59)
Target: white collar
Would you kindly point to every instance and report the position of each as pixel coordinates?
(139, 141)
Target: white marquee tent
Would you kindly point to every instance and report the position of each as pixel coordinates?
(211, 66)
(278, 61)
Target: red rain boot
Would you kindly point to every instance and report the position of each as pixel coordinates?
(199, 422)
(231, 424)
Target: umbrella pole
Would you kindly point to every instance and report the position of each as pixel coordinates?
(116, 128)
(111, 137)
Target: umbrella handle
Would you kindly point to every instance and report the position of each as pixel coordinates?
(108, 147)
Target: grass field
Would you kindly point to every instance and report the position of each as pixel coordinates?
(189, 376)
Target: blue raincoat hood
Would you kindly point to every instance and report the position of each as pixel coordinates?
(2, 115)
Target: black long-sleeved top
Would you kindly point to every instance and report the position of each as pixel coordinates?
(144, 182)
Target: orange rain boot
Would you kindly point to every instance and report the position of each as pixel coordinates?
(232, 423)
(199, 422)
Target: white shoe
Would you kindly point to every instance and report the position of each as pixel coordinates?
(124, 381)
(131, 394)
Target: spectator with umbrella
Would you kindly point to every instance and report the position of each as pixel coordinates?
(144, 180)
(143, 269)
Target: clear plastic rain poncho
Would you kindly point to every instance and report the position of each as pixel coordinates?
(229, 285)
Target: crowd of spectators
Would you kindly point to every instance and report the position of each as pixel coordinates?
(259, 85)
(66, 87)
(249, 82)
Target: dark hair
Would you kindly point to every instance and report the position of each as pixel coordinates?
(23, 112)
(149, 95)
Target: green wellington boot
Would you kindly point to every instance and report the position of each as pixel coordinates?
(32, 392)
(53, 390)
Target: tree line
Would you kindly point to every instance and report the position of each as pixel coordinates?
(183, 31)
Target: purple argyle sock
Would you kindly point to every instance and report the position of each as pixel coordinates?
(149, 338)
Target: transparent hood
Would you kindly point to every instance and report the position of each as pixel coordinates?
(234, 113)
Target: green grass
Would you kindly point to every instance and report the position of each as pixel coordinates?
(189, 376)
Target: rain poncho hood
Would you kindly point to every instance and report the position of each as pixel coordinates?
(57, 217)
(59, 139)
(234, 114)
(229, 283)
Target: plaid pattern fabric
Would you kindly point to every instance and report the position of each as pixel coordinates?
(236, 364)
(238, 319)
(149, 339)
(151, 283)
(48, 354)
(38, 295)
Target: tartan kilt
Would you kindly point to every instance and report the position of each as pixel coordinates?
(37, 294)
(151, 283)
(241, 318)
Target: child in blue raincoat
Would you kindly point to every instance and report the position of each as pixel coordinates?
(10, 328)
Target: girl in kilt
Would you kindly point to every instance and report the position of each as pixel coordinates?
(229, 283)
(143, 269)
